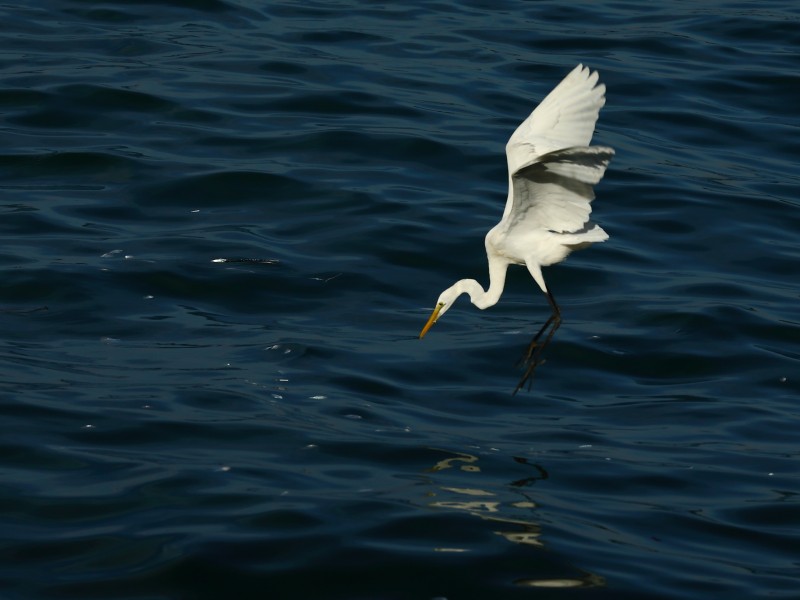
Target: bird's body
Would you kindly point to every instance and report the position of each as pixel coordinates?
(551, 171)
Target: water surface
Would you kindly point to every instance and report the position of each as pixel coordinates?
(177, 427)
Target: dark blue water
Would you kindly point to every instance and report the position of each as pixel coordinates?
(175, 427)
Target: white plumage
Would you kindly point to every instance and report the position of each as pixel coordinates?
(551, 174)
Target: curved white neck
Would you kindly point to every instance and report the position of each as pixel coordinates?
(480, 298)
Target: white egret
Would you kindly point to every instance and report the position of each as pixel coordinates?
(551, 171)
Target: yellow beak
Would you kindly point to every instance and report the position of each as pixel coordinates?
(432, 320)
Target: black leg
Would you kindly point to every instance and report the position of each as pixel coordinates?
(532, 356)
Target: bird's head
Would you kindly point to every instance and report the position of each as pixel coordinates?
(443, 304)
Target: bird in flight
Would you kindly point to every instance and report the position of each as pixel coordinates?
(551, 173)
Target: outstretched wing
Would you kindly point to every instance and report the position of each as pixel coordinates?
(555, 191)
(564, 119)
